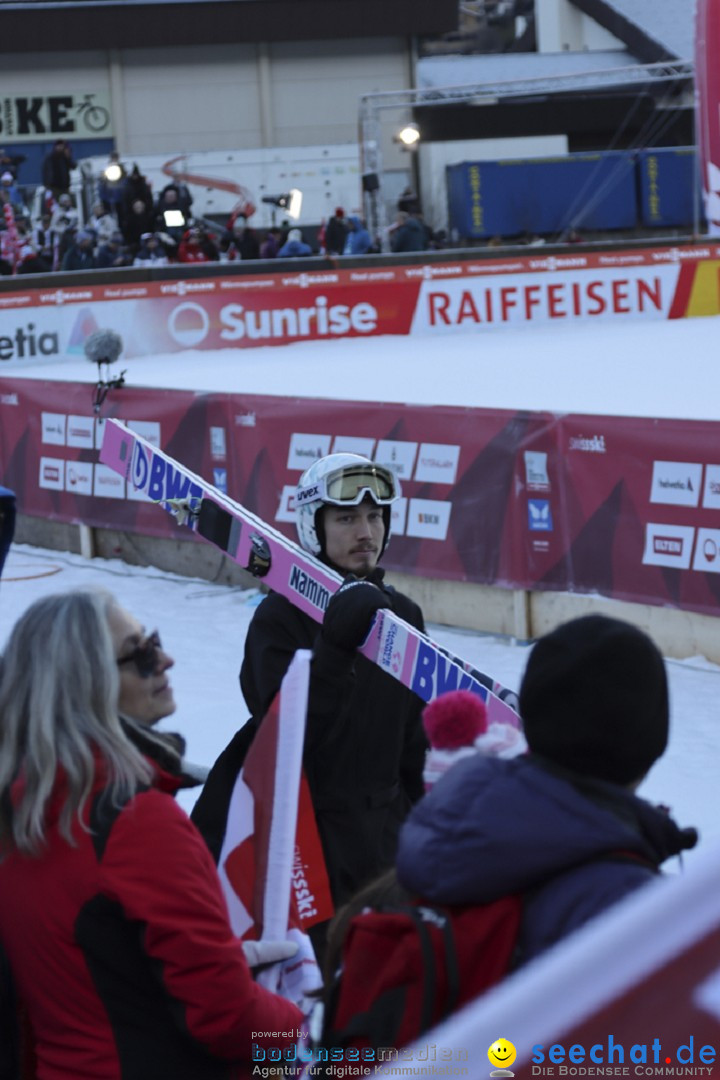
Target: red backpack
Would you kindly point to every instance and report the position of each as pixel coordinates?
(405, 969)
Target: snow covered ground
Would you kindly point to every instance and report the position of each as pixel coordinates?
(662, 368)
(203, 626)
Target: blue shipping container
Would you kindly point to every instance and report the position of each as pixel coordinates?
(542, 195)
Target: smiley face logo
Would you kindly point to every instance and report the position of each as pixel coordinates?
(501, 1054)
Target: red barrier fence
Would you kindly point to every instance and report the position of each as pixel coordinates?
(628, 508)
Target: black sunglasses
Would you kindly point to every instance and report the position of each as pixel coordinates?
(144, 656)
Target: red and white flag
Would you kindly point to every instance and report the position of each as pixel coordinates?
(10, 241)
(271, 863)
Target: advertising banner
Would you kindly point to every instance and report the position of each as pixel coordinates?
(69, 115)
(623, 507)
(160, 317)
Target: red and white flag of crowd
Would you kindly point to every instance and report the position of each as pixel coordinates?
(10, 241)
(271, 864)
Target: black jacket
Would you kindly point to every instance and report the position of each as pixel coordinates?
(364, 742)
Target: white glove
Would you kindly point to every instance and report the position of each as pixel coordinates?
(258, 953)
(297, 979)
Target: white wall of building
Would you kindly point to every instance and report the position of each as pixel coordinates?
(218, 97)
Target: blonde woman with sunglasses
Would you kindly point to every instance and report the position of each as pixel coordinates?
(111, 913)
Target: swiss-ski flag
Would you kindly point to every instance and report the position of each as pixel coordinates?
(271, 864)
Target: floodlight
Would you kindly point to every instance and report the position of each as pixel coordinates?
(290, 202)
(408, 136)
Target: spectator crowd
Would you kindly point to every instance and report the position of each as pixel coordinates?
(130, 225)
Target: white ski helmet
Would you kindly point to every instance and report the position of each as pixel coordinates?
(341, 480)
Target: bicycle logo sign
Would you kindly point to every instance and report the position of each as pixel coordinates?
(96, 118)
(57, 115)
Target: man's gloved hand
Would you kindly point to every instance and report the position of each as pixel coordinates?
(350, 612)
(258, 953)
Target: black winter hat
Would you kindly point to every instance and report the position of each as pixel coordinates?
(594, 699)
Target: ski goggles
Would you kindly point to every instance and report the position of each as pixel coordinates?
(144, 656)
(349, 485)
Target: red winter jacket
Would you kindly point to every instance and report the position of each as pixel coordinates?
(122, 953)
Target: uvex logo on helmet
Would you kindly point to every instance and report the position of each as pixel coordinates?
(303, 495)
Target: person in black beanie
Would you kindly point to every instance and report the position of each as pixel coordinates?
(561, 826)
(594, 699)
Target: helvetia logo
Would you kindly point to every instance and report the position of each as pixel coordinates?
(26, 344)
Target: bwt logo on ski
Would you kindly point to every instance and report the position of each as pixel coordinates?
(159, 480)
(310, 589)
(435, 675)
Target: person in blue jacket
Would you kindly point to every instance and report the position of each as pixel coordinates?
(294, 246)
(561, 826)
(357, 241)
(7, 523)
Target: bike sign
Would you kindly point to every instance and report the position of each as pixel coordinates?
(34, 117)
